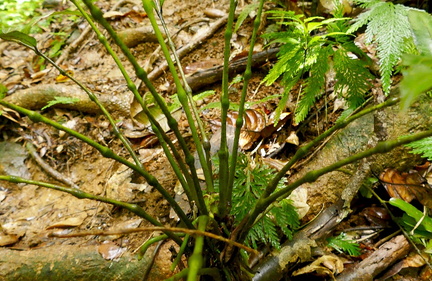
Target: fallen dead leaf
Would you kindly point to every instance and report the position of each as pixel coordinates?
(67, 223)
(110, 250)
(8, 239)
(327, 265)
(407, 186)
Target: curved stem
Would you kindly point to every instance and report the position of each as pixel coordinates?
(106, 152)
(141, 74)
(239, 122)
(134, 208)
(179, 169)
(301, 152)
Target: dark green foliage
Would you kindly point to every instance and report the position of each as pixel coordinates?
(307, 55)
(251, 180)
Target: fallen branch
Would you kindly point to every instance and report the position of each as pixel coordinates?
(38, 96)
(193, 232)
(208, 76)
(381, 259)
(196, 41)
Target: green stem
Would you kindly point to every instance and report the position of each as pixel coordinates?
(179, 169)
(134, 208)
(196, 259)
(182, 96)
(239, 122)
(223, 153)
(180, 252)
(141, 74)
(312, 176)
(106, 152)
(94, 98)
(144, 247)
(206, 143)
(302, 151)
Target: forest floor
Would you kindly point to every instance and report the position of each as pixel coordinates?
(28, 213)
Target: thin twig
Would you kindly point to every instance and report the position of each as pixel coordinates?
(157, 228)
(189, 47)
(48, 169)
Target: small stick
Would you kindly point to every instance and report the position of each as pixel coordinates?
(189, 47)
(158, 228)
(47, 168)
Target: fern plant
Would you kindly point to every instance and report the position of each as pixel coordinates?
(388, 27)
(251, 179)
(253, 195)
(305, 54)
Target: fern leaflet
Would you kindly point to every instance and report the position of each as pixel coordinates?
(352, 78)
(251, 180)
(342, 243)
(423, 147)
(388, 26)
(315, 82)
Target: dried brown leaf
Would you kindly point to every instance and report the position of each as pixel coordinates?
(328, 265)
(407, 186)
(110, 251)
(67, 223)
(8, 239)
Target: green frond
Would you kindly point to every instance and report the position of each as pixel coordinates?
(388, 26)
(244, 13)
(352, 78)
(289, 57)
(251, 181)
(263, 231)
(314, 83)
(288, 83)
(367, 3)
(286, 217)
(342, 243)
(423, 147)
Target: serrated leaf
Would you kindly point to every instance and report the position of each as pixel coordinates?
(19, 37)
(388, 26)
(421, 24)
(244, 13)
(423, 147)
(314, 25)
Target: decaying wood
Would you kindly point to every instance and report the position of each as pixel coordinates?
(70, 262)
(38, 96)
(299, 249)
(206, 77)
(385, 256)
(134, 36)
(196, 41)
